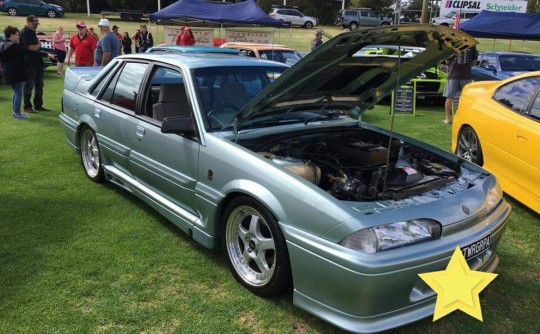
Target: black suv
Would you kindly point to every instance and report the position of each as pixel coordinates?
(356, 17)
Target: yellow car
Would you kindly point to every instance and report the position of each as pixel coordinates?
(497, 126)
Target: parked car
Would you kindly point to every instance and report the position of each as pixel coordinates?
(193, 49)
(275, 52)
(274, 165)
(360, 17)
(31, 7)
(497, 126)
(449, 19)
(429, 84)
(294, 16)
(502, 65)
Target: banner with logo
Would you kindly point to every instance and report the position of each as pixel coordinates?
(203, 37)
(262, 37)
(448, 6)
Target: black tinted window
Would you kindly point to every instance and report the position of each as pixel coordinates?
(350, 13)
(124, 91)
(518, 95)
(535, 109)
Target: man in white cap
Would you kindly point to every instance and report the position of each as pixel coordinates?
(108, 46)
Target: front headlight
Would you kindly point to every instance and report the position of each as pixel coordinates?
(493, 197)
(399, 234)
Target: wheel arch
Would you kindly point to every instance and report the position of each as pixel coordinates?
(251, 189)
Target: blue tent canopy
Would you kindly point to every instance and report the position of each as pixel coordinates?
(503, 25)
(247, 12)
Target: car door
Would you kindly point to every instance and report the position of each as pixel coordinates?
(164, 163)
(526, 140)
(296, 17)
(36, 7)
(500, 137)
(114, 113)
(374, 19)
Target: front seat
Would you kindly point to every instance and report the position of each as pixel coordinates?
(172, 102)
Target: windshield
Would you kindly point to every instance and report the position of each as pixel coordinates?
(283, 56)
(520, 63)
(223, 91)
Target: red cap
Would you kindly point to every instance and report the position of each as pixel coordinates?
(81, 24)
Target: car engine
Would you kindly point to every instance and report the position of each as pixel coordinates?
(352, 167)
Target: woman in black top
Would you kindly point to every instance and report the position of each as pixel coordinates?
(13, 67)
(126, 43)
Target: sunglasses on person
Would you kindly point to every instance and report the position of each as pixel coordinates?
(81, 27)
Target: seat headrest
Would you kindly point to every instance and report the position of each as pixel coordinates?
(172, 93)
(233, 89)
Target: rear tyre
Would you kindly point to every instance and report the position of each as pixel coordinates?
(90, 155)
(51, 13)
(12, 11)
(468, 146)
(308, 25)
(255, 247)
(353, 26)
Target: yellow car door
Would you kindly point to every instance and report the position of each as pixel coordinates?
(526, 152)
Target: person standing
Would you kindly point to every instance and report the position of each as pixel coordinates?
(137, 39)
(317, 41)
(179, 36)
(13, 68)
(92, 33)
(147, 41)
(59, 45)
(118, 35)
(83, 45)
(108, 46)
(187, 37)
(34, 65)
(126, 43)
(459, 74)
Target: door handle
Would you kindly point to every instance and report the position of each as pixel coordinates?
(97, 112)
(140, 132)
(521, 136)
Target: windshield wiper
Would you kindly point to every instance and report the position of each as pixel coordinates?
(328, 115)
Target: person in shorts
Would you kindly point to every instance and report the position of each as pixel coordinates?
(59, 45)
(459, 74)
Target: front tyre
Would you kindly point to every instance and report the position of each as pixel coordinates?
(353, 26)
(255, 247)
(12, 11)
(308, 25)
(90, 155)
(51, 13)
(468, 146)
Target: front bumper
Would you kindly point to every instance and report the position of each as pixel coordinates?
(351, 291)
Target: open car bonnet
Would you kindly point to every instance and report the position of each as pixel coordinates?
(331, 76)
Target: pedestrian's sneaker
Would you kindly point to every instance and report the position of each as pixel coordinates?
(20, 116)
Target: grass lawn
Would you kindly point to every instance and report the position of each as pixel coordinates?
(77, 257)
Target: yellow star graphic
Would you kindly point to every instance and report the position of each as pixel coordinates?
(457, 287)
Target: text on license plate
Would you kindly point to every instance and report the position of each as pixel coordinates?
(474, 248)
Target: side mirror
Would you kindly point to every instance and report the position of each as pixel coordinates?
(491, 68)
(180, 125)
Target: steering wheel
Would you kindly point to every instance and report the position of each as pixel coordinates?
(219, 108)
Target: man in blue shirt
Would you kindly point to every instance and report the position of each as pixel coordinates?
(108, 46)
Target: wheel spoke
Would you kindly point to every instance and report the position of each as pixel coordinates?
(266, 244)
(260, 261)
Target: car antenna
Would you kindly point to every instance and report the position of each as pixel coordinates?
(390, 137)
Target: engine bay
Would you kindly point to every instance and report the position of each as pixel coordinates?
(352, 165)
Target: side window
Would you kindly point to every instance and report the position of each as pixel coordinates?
(489, 60)
(349, 13)
(95, 91)
(364, 14)
(123, 92)
(518, 95)
(166, 94)
(535, 109)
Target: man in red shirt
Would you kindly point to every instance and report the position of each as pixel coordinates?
(83, 45)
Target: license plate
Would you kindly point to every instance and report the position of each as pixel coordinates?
(474, 248)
